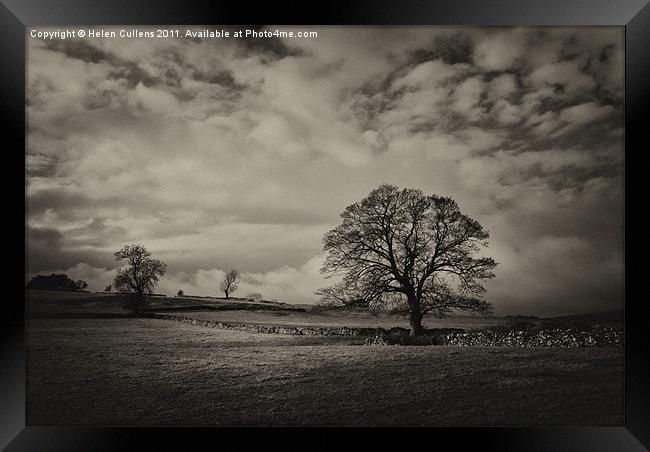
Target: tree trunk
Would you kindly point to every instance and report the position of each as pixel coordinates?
(139, 302)
(226, 294)
(416, 317)
(416, 324)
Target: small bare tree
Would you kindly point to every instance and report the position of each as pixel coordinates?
(230, 282)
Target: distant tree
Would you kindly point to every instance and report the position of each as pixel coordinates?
(230, 282)
(52, 282)
(108, 288)
(402, 248)
(254, 296)
(81, 285)
(139, 277)
(180, 293)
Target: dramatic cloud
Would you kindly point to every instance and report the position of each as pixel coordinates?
(241, 153)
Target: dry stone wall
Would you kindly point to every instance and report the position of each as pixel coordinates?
(558, 337)
(569, 337)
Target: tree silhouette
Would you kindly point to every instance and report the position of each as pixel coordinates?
(139, 277)
(230, 282)
(406, 250)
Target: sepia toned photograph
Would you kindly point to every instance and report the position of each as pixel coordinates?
(325, 226)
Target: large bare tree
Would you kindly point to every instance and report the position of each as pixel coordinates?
(140, 276)
(406, 250)
(230, 282)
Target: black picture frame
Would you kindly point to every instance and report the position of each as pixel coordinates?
(16, 15)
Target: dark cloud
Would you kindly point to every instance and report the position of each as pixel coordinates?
(56, 200)
(223, 78)
(454, 48)
(79, 49)
(40, 165)
(132, 74)
(46, 251)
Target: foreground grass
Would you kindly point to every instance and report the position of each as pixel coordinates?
(156, 372)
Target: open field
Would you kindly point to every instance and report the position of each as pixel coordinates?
(156, 372)
(67, 304)
(333, 319)
(43, 303)
(62, 303)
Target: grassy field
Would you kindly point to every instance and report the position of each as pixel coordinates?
(66, 304)
(157, 372)
(333, 319)
(79, 304)
(45, 303)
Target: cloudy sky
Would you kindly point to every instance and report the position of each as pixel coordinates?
(241, 153)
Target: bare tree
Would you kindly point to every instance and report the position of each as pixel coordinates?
(230, 282)
(403, 249)
(140, 276)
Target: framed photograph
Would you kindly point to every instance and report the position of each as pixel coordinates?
(355, 215)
